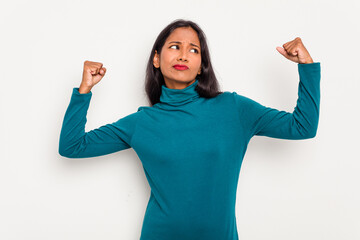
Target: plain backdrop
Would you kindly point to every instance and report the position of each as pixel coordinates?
(288, 189)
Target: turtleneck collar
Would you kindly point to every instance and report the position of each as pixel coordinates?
(177, 97)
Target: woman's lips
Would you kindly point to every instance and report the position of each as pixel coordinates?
(180, 67)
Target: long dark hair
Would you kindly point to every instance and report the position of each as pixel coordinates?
(207, 86)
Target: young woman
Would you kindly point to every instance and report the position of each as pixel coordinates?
(192, 138)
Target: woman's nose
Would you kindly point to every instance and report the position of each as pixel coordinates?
(182, 55)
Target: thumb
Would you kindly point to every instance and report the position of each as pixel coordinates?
(102, 71)
(99, 76)
(283, 52)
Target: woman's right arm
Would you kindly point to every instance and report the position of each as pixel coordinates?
(76, 143)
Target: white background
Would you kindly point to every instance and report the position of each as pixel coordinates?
(288, 189)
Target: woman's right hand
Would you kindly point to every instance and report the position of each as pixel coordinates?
(93, 72)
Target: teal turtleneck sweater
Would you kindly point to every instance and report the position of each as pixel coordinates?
(191, 149)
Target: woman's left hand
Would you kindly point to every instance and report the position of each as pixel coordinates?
(295, 51)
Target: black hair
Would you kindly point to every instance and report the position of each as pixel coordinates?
(207, 86)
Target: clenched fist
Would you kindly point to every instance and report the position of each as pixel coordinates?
(93, 72)
(295, 51)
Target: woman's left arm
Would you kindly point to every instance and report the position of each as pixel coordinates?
(302, 123)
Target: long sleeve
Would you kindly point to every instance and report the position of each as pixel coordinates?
(74, 142)
(302, 123)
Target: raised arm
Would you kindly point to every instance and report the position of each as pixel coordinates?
(302, 123)
(76, 143)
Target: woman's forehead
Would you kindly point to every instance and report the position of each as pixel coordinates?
(182, 35)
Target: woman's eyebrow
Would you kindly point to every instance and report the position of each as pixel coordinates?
(181, 43)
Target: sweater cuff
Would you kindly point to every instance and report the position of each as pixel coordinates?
(310, 65)
(76, 92)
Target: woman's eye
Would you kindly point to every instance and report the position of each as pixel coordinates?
(191, 49)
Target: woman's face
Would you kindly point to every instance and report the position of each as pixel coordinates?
(182, 47)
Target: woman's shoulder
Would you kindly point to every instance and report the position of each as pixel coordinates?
(236, 96)
(238, 99)
(142, 109)
(229, 95)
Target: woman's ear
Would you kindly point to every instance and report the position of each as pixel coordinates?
(156, 60)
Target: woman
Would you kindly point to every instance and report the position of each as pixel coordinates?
(192, 139)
